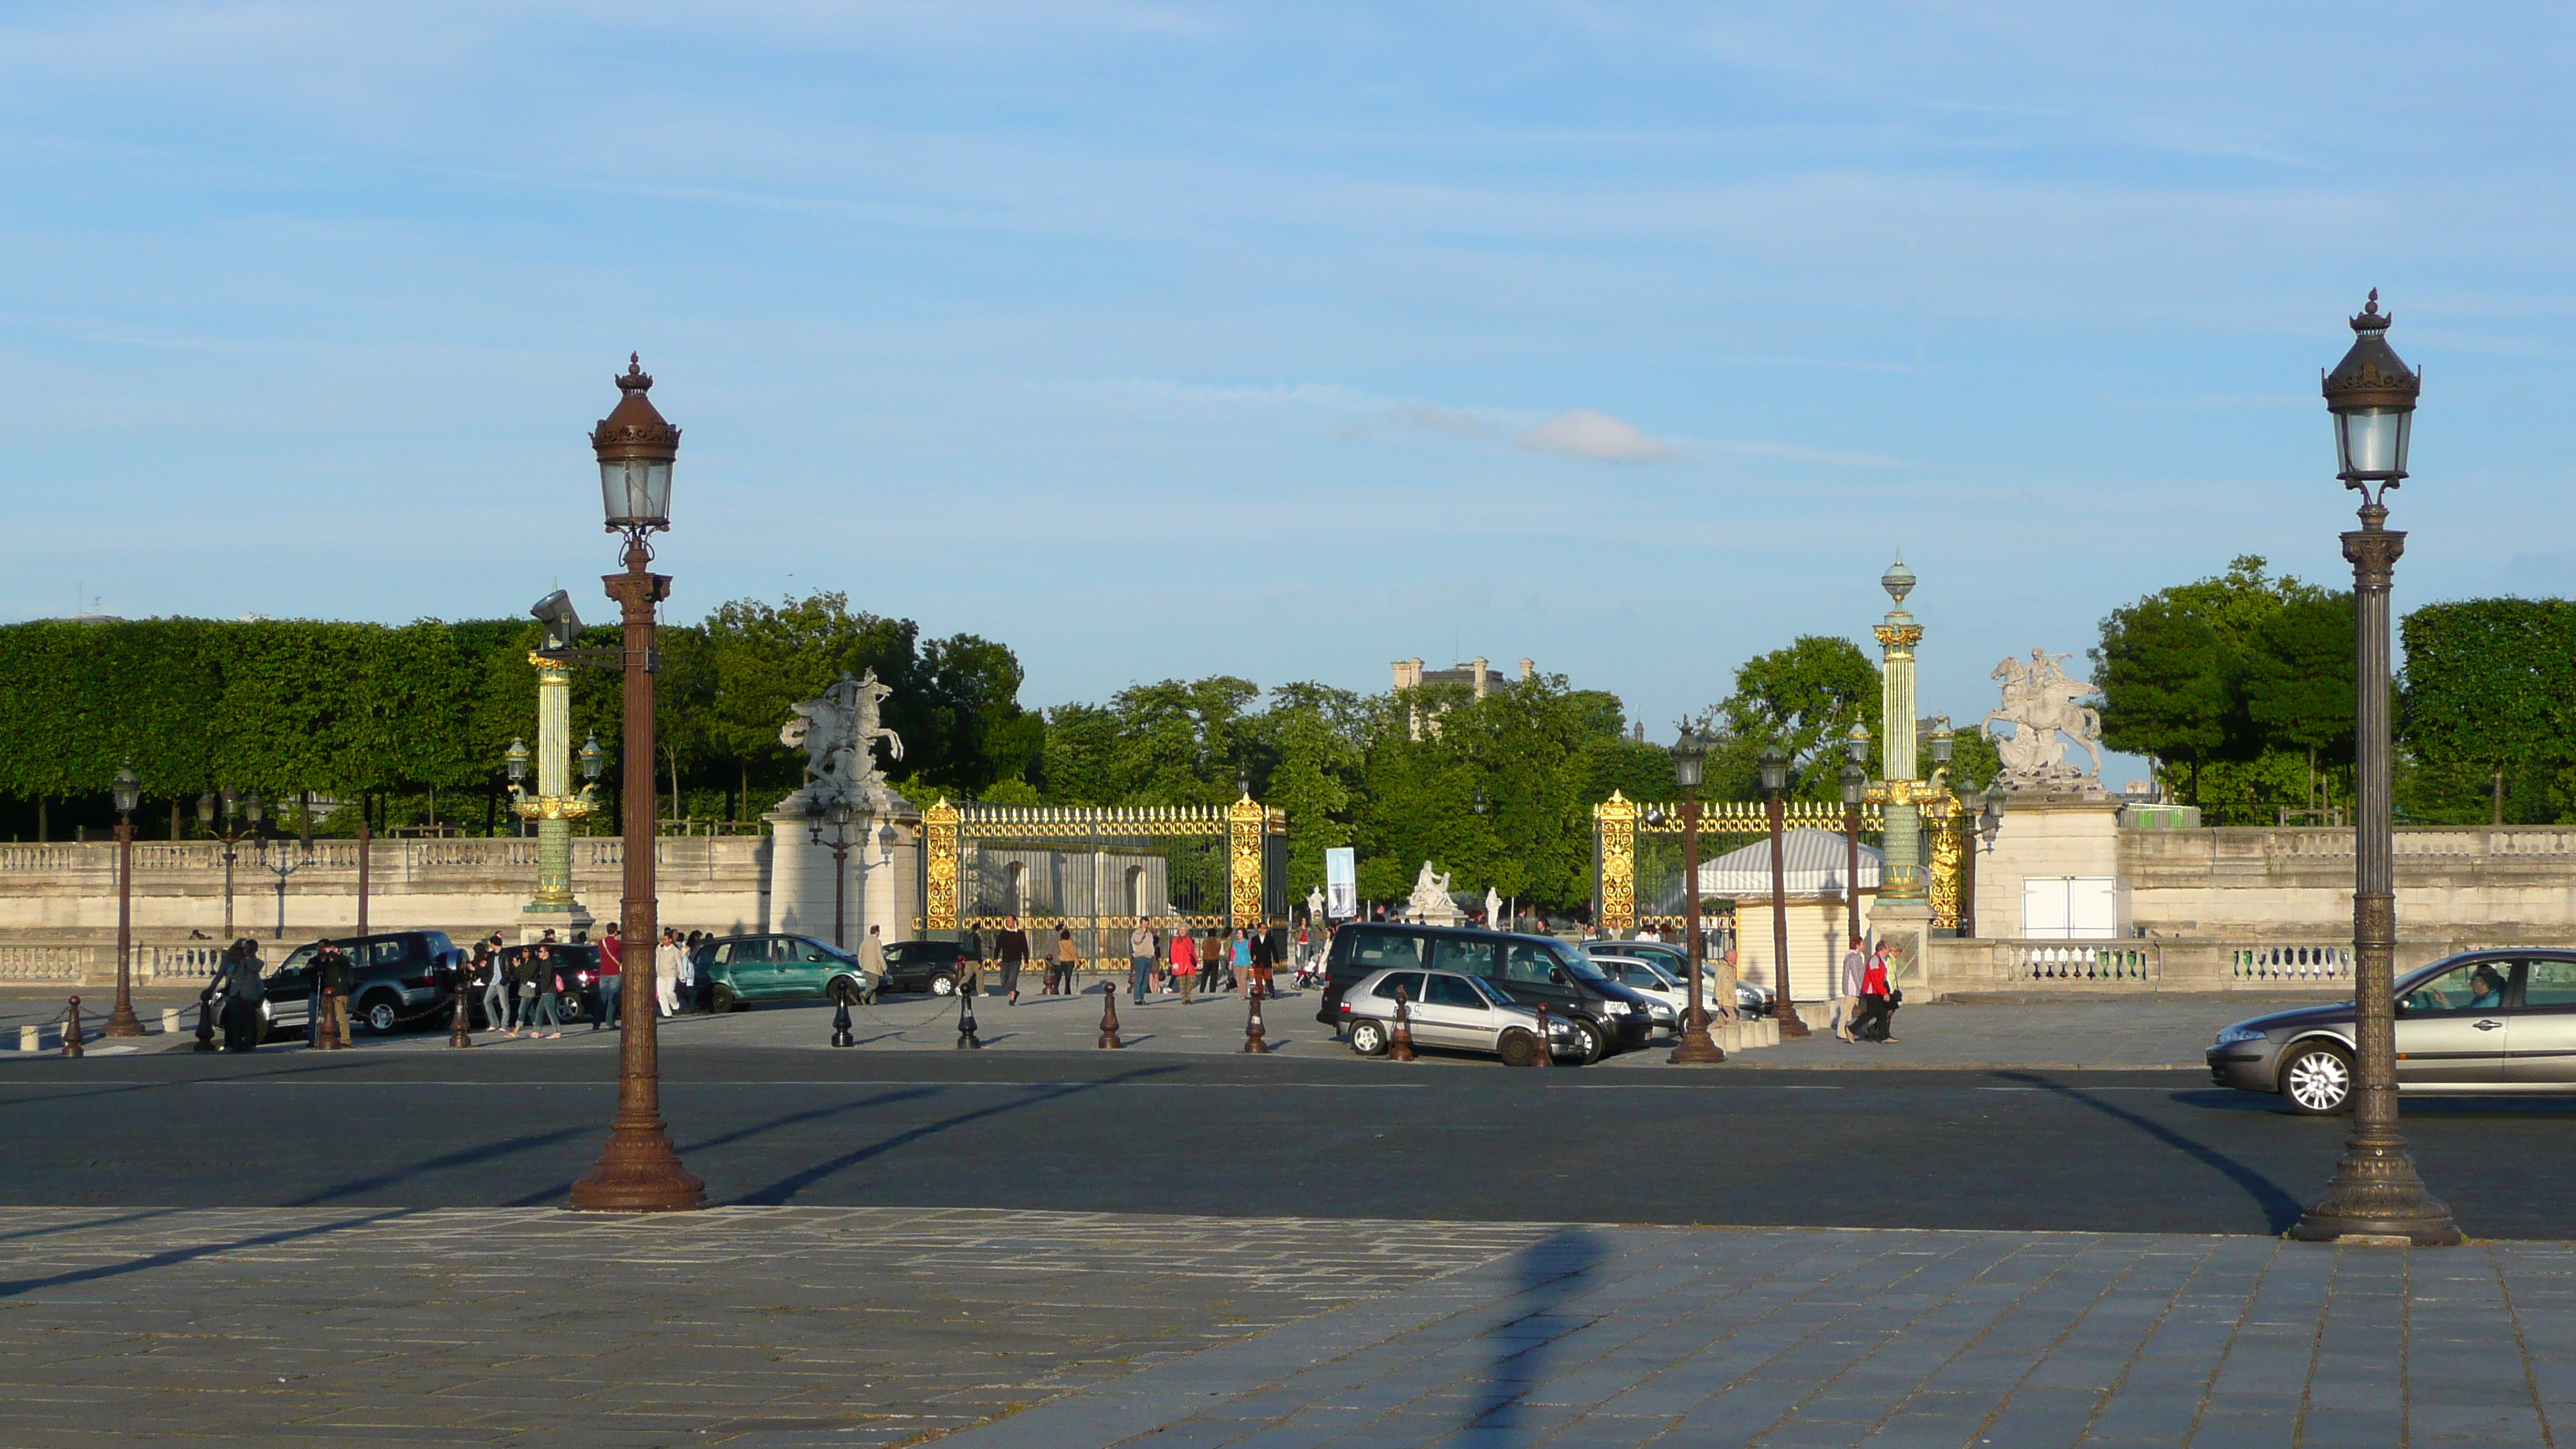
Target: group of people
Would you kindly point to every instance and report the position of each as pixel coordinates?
(1867, 1009)
(1181, 962)
(524, 991)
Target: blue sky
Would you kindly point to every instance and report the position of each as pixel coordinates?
(1163, 340)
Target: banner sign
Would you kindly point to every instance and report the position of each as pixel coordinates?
(1341, 883)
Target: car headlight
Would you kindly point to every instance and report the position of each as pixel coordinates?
(2235, 1034)
(1614, 1008)
(1661, 1009)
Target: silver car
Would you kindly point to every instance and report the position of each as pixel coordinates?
(1752, 998)
(1666, 996)
(2484, 1022)
(1446, 1009)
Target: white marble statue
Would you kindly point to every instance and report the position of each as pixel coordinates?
(1315, 904)
(1430, 901)
(1493, 909)
(2040, 703)
(839, 732)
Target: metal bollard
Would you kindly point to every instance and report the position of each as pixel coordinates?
(1400, 1047)
(841, 1036)
(966, 1036)
(205, 1025)
(1545, 1056)
(1253, 1031)
(72, 1031)
(460, 1032)
(1109, 1041)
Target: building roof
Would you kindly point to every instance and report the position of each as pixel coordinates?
(1813, 863)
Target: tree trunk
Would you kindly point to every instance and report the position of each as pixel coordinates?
(40, 820)
(2499, 795)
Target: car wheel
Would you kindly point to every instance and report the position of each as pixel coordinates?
(844, 991)
(943, 984)
(726, 1000)
(378, 1014)
(1368, 1038)
(1518, 1047)
(1595, 1045)
(2317, 1081)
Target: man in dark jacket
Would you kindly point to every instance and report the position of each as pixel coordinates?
(1013, 944)
(244, 992)
(331, 968)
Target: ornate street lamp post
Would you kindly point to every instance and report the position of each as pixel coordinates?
(1855, 783)
(2376, 1195)
(129, 793)
(1689, 754)
(1775, 779)
(638, 1171)
(233, 808)
(838, 814)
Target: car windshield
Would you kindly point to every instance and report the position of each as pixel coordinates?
(1576, 962)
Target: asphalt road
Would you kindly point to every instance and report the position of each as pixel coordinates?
(1089, 1131)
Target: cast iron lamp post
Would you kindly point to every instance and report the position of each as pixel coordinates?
(838, 814)
(1775, 779)
(638, 1171)
(129, 793)
(1689, 754)
(234, 808)
(282, 870)
(2376, 1195)
(1855, 783)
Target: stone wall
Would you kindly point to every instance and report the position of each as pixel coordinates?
(64, 896)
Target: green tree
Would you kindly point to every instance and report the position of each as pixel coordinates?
(2174, 669)
(2299, 681)
(1805, 699)
(2488, 689)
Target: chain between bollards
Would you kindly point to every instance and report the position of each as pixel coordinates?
(1399, 1048)
(1253, 1031)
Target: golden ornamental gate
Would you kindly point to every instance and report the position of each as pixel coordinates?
(1637, 851)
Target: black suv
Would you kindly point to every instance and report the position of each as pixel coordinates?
(929, 966)
(1531, 970)
(580, 961)
(394, 977)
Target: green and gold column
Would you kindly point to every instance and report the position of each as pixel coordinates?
(555, 806)
(1903, 880)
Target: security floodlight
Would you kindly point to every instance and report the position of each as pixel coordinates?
(555, 611)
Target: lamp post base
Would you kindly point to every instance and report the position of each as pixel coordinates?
(1696, 1049)
(1785, 1016)
(122, 1021)
(2376, 1198)
(639, 1172)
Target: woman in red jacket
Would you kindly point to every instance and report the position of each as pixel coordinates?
(1185, 962)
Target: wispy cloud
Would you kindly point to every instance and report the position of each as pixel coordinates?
(1583, 433)
(1455, 421)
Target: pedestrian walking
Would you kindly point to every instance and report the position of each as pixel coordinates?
(244, 992)
(872, 960)
(1263, 959)
(666, 973)
(549, 983)
(1855, 968)
(685, 978)
(487, 967)
(1067, 960)
(612, 980)
(1239, 963)
(970, 964)
(1140, 959)
(1878, 998)
(1185, 963)
(1013, 943)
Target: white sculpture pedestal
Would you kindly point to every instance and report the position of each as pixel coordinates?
(880, 889)
(2071, 835)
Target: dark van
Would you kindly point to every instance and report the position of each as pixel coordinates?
(1531, 970)
(395, 977)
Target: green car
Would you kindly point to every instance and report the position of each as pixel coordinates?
(741, 969)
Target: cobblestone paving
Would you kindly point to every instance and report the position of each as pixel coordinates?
(767, 1328)
(838, 1326)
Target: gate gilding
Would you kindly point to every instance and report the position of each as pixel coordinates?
(1241, 847)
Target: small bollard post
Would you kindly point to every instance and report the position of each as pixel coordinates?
(169, 1021)
(1109, 1041)
(841, 1035)
(205, 1023)
(31, 1038)
(966, 1036)
(72, 1031)
(1253, 1032)
(460, 1031)
(1400, 1047)
(1545, 1056)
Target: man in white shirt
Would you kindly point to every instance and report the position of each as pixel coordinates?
(668, 962)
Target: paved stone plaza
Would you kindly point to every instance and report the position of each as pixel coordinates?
(801, 1326)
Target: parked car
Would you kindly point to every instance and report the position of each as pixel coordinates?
(2499, 1022)
(1453, 1011)
(1667, 998)
(740, 969)
(394, 977)
(925, 966)
(1752, 998)
(1527, 970)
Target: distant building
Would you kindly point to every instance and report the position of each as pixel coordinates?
(1477, 674)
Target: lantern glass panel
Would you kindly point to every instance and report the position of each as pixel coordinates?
(2371, 442)
(635, 491)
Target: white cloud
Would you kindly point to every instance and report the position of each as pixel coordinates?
(1583, 433)
(1443, 420)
